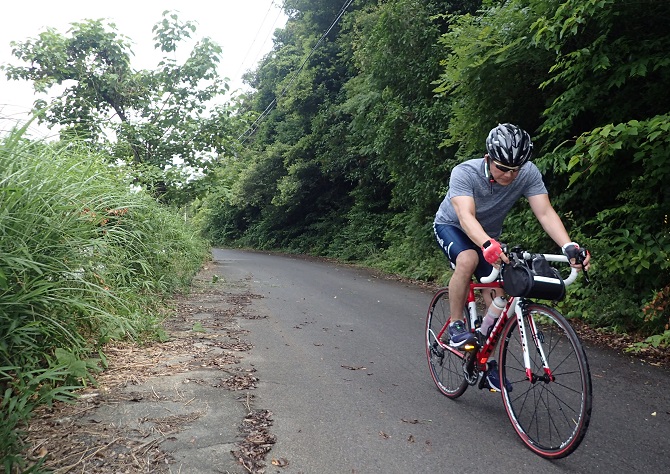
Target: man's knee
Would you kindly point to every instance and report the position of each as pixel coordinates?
(467, 262)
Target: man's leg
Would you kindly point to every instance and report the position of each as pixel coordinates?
(459, 284)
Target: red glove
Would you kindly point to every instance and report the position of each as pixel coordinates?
(492, 251)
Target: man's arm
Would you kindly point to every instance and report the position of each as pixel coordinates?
(465, 210)
(551, 222)
(549, 219)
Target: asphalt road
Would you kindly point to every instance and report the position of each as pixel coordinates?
(342, 367)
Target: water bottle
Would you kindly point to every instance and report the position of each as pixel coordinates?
(492, 314)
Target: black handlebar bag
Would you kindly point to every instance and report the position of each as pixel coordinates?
(532, 279)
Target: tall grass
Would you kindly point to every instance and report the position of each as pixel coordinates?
(83, 259)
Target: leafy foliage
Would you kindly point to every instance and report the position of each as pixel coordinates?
(167, 122)
(84, 260)
(362, 109)
(491, 73)
(610, 63)
(354, 157)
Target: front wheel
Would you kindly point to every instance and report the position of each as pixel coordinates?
(550, 408)
(445, 363)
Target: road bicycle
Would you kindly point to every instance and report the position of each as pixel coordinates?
(540, 355)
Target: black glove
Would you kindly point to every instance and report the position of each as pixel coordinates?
(571, 250)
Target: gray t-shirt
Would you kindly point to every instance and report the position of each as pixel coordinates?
(492, 204)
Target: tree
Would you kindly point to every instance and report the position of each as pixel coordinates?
(589, 80)
(298, 126)
(492, 73)
(611, 115)
(159, 119)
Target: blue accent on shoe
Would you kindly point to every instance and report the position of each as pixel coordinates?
(459, 334)
(493, 379)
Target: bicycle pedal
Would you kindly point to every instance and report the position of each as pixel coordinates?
(484, 384)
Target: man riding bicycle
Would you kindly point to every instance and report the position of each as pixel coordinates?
(469, 221)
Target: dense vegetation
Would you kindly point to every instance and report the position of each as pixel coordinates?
(357, 132)
(85, 260)
(144, 119)
(344, 150)
(88, 253)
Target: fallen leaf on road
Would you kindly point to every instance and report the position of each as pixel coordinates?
(281, 462)
(414, 422)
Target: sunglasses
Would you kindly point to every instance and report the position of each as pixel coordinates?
(507, 169)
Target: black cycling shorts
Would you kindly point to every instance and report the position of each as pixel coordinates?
(453, 241)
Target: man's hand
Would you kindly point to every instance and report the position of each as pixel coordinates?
(579, 257)
(493, 252)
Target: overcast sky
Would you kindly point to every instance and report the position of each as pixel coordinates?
(243, 28)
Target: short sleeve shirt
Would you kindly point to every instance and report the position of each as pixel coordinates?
(492, 201)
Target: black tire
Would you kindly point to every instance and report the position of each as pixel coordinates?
(551, 417)
(445, 363)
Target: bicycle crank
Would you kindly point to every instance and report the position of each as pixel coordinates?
(470, 371)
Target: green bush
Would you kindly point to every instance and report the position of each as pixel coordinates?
(84, 259)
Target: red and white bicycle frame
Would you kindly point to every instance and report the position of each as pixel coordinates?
(514, 307)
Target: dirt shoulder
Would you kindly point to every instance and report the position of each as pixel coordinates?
(621, 343)
(185, 405)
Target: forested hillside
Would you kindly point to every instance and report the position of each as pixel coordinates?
(343, 149)
(363, 107)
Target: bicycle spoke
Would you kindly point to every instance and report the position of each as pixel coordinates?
(551, 416)
(445, 362)
(538, 399)
(561, 402)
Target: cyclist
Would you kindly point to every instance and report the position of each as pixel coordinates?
(469, 221)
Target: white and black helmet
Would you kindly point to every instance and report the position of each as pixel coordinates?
(509, 145)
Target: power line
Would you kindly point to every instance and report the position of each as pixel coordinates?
(270, 31)
(254, 126)
(260, 27)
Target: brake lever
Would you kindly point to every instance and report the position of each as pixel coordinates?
(586, 275)
(582, 256)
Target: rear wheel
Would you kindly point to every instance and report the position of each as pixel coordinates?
(550, 413)
(445, 363)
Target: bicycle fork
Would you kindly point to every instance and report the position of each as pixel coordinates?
(538, 341)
